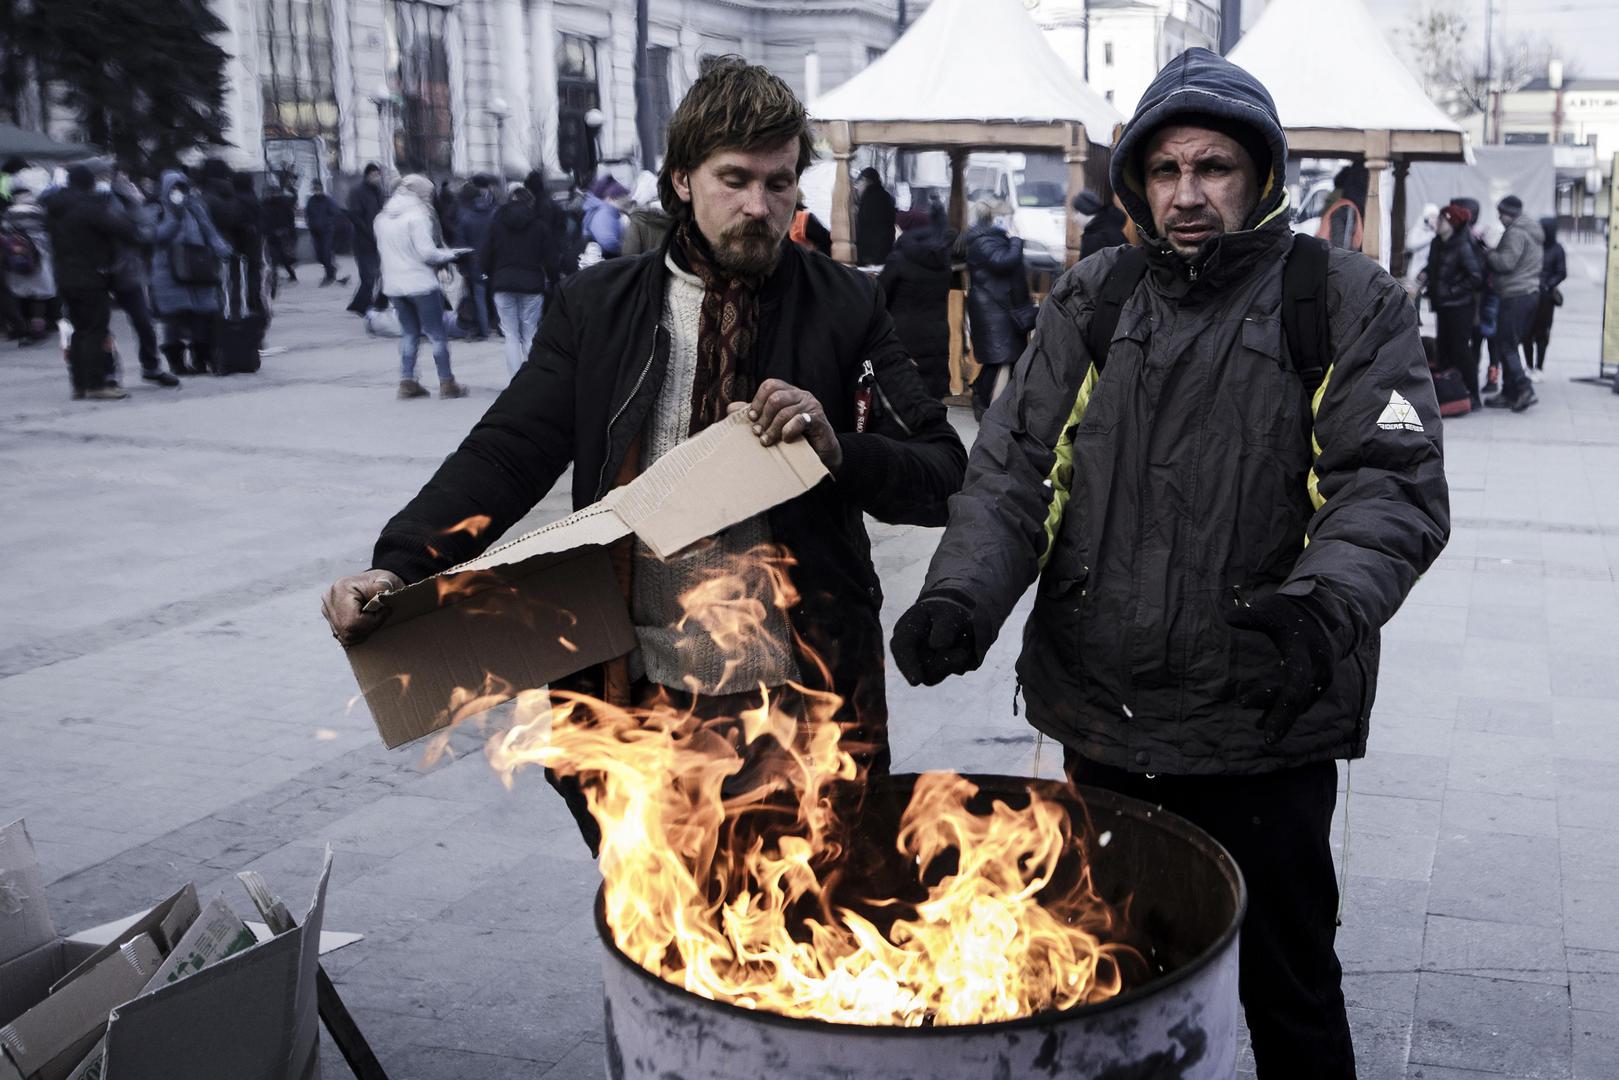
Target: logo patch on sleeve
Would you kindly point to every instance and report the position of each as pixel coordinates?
(1398, 415)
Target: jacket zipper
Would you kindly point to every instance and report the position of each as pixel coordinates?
(601, 481)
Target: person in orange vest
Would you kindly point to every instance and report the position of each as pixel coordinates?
(808, 232)
(1342, 224)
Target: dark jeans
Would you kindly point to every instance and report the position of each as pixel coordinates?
(323, 252)
(1511, 327)
(1540, 333)
(1276, 826)
(368, 265)
(89, 360)
(133, 302)
(1454, 345)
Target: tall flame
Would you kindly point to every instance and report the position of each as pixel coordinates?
(738, 864)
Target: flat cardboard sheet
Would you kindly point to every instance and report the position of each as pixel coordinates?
(547, 604)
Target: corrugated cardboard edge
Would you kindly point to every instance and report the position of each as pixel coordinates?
(211, 1024)
(25, 914)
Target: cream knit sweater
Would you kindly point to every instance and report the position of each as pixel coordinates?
(688, 658)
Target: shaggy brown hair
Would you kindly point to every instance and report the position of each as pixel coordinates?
(733, 105)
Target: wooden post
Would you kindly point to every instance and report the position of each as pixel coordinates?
(1074, 157)
(1377, 160)
(958, 190)
(1397, 253)
(842, 226)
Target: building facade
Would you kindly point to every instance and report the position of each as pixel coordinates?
(461, 86)
(1579, 119)
(1118, 46)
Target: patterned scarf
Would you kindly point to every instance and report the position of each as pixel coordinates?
(726, 331)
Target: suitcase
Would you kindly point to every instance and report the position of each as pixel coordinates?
(1451, 391)
(237, 343)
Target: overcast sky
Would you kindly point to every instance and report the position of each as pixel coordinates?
(1586, 30)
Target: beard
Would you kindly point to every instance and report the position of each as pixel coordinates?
(752, 248)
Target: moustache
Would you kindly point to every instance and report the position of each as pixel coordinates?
(753, 230)
(1181, 221)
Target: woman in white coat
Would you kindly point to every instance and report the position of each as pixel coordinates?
(407, 241)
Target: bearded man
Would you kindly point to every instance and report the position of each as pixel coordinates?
(635, 355)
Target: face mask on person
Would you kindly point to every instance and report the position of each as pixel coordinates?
(177, 197)
(103, 186)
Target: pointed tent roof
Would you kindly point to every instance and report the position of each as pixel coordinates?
(1334, 70)
(981, 61)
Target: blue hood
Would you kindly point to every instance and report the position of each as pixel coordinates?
(1199, 82)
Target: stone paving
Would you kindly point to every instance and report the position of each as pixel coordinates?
(172, 709)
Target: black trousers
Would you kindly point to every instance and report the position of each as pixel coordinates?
(88, 358)
(1276, 826)
(322, 239)
(1540, 333)
(133, 302)
(1453, 340)
(368, 265)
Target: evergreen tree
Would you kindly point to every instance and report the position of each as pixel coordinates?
(145, 76)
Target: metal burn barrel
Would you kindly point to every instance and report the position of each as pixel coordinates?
(1184, 901)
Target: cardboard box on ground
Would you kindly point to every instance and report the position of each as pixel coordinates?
(182, 992)
(548, 604)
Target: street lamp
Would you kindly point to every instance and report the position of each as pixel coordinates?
(499, 111)
(594, 119)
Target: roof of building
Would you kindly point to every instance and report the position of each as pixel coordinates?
(1335, 69)
(971, 60)
(1572, 84)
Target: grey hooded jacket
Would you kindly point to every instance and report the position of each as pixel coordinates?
(1516, 259)
(1198, 473)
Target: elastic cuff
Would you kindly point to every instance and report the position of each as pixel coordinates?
(865, 461)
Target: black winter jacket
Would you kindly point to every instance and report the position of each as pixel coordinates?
(916, 281)
(1195, 473)
(874, 226)
(519, 254)
(1103, 231)
(1455, 272)
(999, 286)
(589, 386)
(321, 214)
(86, 235)
(1553, 261)
(364, 204)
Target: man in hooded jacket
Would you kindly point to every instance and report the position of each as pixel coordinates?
(1217, 546)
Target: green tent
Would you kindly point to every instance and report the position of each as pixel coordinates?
(36, 147)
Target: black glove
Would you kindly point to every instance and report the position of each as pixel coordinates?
(1304, 666)
(934, 639)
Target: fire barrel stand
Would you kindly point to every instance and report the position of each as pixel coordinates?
(1184, 898)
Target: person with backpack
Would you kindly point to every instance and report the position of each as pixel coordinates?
(1553, 272)
(1220, 457)
(1343, 222)
(189, 256)
(25, 251)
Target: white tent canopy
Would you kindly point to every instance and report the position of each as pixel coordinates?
(1331, 67)
(971, 60)
(1342, 93)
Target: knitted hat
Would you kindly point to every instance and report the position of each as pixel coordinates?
(1088, 203)
(1510, 205)
(1458, 216)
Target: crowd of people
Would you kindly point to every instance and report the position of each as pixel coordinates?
(1502, 295)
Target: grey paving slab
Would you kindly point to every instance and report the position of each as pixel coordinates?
(172, 709)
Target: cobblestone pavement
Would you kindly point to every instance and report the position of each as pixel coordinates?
(172, 709)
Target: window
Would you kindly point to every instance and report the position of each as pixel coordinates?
(295, 64)
(578, 93)
(1107, 53)
(658, 101)
(419, 64)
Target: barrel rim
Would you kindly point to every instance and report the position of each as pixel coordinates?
(1091, 797)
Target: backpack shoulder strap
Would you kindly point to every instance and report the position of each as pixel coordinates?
(1117, 288)
(1304, 310)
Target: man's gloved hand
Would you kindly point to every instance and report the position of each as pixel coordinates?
(934, 639)
(1304, 666)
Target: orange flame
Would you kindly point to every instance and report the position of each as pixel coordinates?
(737, 864)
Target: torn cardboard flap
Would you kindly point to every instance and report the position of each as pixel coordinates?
(50, 1039)
(25, 917)
(548, 603)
